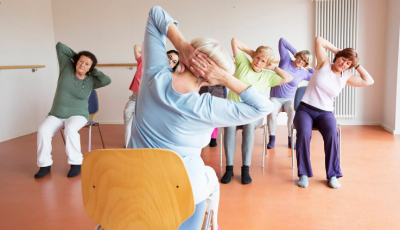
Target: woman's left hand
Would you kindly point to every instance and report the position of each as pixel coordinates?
(213, 73)
(271, 66)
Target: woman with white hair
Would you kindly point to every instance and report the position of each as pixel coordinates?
(170, 113)
(283, 95)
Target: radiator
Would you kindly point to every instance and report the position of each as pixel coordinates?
(337, 22)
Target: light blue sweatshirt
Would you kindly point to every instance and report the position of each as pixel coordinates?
(183, 123)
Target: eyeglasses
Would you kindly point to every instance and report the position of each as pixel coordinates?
(170, 58)
(302, 59)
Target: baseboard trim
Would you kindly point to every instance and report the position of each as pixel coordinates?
(388, 128)
(17, 135)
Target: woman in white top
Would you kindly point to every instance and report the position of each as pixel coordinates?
(315, 109)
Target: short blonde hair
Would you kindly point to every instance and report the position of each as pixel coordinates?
(307, 54)
(213, 49)
(267, 52)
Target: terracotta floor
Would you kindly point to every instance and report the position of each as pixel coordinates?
(369, 197)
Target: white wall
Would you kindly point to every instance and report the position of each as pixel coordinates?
(27, 38)
(391, 86)
(111, 28)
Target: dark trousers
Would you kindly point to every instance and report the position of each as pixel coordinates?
(305, 119)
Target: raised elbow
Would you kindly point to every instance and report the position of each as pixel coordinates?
(154, 9)
(233, 41)
(288, 78)
(281, 41)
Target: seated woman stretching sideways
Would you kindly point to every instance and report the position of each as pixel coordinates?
(173, 57)
(170, 113)
(251, 73)
(283, 95)
(78, 77)
(315, 109)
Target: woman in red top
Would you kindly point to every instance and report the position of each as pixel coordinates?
(173, 57)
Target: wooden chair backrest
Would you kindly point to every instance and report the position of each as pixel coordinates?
(126, 189)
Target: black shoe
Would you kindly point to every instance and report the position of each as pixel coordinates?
(246, 179)
(271, 142)
(228, 175)
(43, 171)
(213, 142)
(74, 171)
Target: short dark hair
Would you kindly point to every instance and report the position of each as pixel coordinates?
(88, 54)
(348, 53)
(177, 53)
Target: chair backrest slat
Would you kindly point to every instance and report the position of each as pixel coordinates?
(93, 103)
(299, 96)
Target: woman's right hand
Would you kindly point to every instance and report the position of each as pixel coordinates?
(213, 73)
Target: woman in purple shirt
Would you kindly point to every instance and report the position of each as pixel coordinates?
(283, 95)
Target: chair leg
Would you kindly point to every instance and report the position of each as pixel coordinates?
(90, 136)
(220, 145)
(62, 135)
(101, 136)
(263, 151)
(207, 224)
(292, 144)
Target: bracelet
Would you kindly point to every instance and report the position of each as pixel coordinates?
(358, 65)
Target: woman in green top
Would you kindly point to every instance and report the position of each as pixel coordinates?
(78, 77)
(251, 73)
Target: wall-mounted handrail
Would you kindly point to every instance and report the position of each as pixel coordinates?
(23, 67)
(117, 65)
(33, 67)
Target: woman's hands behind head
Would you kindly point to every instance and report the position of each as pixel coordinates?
(211, 72)
(271, 66)
(186, 54)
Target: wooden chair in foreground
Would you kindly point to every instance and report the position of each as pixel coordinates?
(143, 189)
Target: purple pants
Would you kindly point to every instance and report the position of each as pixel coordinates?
(306, 118)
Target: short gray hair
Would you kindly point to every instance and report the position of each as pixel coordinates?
(213, 49)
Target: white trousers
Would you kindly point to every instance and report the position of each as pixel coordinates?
(211, 194)
(52, 125)
(128, 116)
(281, 104)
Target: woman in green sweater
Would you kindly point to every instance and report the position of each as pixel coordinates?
(78, 77)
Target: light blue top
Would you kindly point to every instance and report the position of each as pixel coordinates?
(183, 123)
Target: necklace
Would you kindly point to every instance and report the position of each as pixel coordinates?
(83, 83)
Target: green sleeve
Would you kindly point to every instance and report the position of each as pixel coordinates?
(241, 59)
(64, 54)
(100, 79)
(274, 79)
(271, 79)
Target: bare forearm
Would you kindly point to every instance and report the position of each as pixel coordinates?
(137, 51)
(243, 47)
(327, 45)
(365, 75)
(286, 78)
(176, 38)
